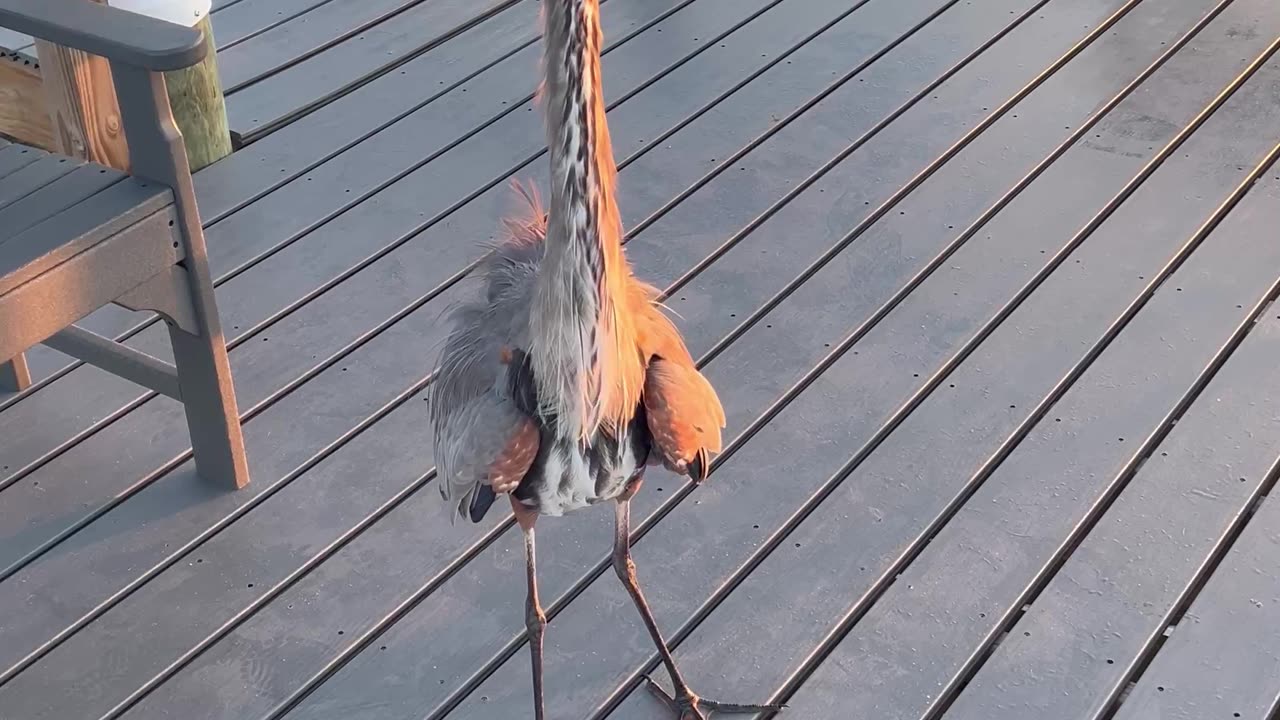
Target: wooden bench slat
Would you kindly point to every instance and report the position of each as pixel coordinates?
(67, 291)
(52, 199)
(76, 228)
(33, 177)
(14, 157)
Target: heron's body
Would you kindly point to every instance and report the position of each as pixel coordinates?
(488, 392)
(590, 345)
(562, 378)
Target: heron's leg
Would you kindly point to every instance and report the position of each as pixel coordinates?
(535, 620)
(626, 569)
(688, 705)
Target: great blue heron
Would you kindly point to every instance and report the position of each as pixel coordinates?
(563, 379)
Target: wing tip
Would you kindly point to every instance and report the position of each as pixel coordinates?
(481, 499)
(700, 466)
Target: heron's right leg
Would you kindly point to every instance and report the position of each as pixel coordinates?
(535, 620)
(685, 704)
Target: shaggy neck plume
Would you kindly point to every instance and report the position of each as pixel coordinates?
(583, 348)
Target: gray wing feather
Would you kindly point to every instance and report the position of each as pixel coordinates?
(470, 441)
(471, 411)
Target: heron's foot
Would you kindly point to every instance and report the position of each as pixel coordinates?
(692, 707)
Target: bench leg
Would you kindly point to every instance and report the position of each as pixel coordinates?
(14, 375)
(204, 376)
(156, 152)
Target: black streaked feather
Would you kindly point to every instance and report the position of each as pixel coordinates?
(521, 384)
(481, 499)
(699, 466)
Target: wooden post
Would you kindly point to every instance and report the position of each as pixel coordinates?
(22, 105)
(81, 101)
(85, 116)
(195, 94)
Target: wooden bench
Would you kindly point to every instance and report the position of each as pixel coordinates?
(76, 236)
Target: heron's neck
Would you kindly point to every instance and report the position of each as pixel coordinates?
(583, 173)
(578, 332)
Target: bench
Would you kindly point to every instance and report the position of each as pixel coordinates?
(76, 236)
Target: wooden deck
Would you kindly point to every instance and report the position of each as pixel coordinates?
(985, 285)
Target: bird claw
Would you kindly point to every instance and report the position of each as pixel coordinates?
(692, 707)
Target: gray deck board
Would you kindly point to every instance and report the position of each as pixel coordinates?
(1104, 613)
(904, 238)
(236, 23)
(110, 436)
(402, 212)
(758, 383)
(380, 280)
(357, 173)
(256, 109)
(309, 141)
(291, 42)
(337, 144)
(977, 572)
(894, 497)
(790, 449)
(391, 588)
(1221, 659)
(256, 386)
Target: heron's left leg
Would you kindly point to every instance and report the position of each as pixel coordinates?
(535, 619)
(686, 703)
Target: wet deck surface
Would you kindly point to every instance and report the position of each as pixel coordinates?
(985, 286)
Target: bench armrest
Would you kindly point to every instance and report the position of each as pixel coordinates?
(118, 35)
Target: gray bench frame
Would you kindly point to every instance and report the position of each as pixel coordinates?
(88, 274)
